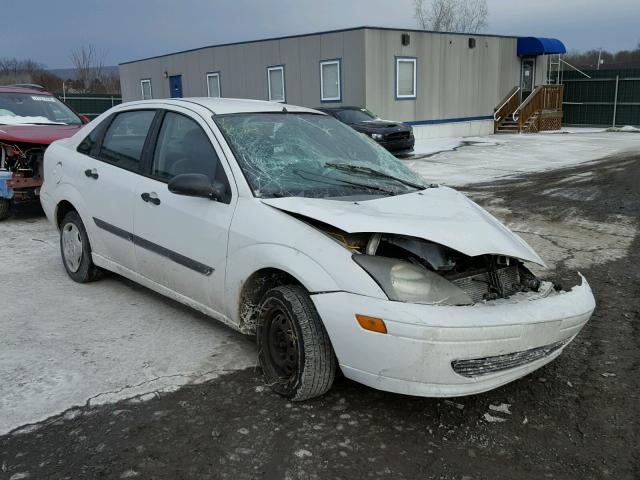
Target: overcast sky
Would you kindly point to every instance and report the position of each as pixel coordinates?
(47, 30)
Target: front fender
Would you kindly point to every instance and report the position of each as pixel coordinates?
(244, 262)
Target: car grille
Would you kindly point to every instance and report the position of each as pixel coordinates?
(479, 285)
(476, 367)
(398, 136)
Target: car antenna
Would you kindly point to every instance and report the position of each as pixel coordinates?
(284, 110)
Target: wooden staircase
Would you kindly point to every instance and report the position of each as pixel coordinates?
(540, 111)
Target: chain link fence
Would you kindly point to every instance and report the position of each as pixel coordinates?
(608, 98)
(90, 104)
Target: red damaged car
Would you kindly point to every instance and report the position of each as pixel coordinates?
(30, 120)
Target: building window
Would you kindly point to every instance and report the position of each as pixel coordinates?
(145, 88)
(213, 85)
(405, 78)
(275, 78)
(330, 88)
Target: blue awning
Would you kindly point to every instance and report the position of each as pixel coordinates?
(528, 46)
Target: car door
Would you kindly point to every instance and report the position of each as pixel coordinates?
(110, 163)
(181, 241)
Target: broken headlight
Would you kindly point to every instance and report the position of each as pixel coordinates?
(407, 282)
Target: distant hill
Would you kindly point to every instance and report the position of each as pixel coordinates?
(70, 73)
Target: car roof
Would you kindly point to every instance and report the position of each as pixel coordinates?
(222, 106)
(12, 89)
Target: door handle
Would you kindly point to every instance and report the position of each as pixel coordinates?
(150, 197)
(91, 173)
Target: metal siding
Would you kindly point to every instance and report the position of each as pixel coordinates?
(352, 70)
(243, 69)
(453, 81)
(289, 55)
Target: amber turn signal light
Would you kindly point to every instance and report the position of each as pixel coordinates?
(372, 324)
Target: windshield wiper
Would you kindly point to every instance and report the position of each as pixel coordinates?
(347, 167)
(346, 183)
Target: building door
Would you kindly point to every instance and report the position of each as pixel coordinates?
(175, 86)
(527, 77)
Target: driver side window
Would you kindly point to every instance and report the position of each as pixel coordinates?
(183, 147)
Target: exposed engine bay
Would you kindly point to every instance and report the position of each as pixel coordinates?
(24, 161)
(483, 278)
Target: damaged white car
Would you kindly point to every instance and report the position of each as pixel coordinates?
(282, 222)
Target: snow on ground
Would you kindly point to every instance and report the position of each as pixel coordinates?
(575, 130)
(626, 128)
(64, 344)
(432, 146)
(484, 159)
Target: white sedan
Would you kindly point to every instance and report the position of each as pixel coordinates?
(282, 222)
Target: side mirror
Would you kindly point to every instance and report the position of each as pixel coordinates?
(84, 119)
(197, 185)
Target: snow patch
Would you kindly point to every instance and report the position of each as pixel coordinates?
(491, 419)
(503, 408)
(495, 157)
(431, 146)
(20, 120)
(626, 128)
(303, 453)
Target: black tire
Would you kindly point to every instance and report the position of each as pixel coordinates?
(86, 271)
(5, 208)
(294, 349)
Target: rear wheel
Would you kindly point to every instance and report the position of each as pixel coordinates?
(295, 352)
(76, 250)
(5, 207)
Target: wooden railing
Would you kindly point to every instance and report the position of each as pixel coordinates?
(508, 105)
(544, 97)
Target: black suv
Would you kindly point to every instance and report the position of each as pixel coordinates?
(394, 136)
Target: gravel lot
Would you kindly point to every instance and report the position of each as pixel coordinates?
(578, 417)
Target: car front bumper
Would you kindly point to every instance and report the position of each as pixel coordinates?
(416, 356)
(400, 145)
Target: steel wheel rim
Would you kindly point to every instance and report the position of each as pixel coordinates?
(72, 247)
(282, 344)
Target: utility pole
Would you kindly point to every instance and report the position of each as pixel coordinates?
(599, 58)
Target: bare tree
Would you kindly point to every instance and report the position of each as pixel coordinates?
(619, 59)
(14, 71)
(89, 65)
(465, 16)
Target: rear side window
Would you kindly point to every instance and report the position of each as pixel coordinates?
(89, 141)
(183, 147)
(124, 140)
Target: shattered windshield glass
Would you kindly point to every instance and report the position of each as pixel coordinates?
(295, 154)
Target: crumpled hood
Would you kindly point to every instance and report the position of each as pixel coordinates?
(440, 215)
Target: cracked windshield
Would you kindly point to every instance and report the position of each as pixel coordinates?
(310, 155)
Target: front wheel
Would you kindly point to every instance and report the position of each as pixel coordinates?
(5, 208)
(76, 250)
(294, 349)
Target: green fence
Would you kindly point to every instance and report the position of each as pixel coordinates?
(608, 98)
(90, 104)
